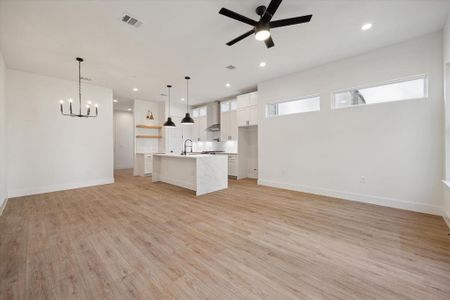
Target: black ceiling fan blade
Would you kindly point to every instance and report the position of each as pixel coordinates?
(269, 42)
(270, 11)
(290, 21)
(236, 16)
(241, 37)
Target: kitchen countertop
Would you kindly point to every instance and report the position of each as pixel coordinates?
(220, 153)
(182, 156)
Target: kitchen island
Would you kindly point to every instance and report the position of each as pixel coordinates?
(201, 173)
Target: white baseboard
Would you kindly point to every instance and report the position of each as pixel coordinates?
(2, 207)
(122, 167)
(55, 188)
(446, 217)
(383, 201)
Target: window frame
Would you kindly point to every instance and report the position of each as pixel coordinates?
(228, 104)
(196, 110)
(372, 85)
(292, 100)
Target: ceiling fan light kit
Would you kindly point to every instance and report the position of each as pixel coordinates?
(262, 28)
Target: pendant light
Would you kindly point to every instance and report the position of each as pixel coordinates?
(187, 120)
(169, 122)
(150, 115)
(88, 104)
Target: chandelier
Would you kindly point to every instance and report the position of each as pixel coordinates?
(88, 104)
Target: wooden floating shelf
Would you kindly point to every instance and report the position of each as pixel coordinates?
(148, 136)
(149, 126)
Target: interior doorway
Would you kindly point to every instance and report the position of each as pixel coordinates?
(123, 140)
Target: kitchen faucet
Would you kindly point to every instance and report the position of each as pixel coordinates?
(185, 146)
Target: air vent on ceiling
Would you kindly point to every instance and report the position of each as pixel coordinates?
(230, 67)
(130, 20)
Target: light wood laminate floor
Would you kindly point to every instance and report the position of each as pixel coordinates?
(137, 239)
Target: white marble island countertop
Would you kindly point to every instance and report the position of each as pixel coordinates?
(203, 173)
(195, 155)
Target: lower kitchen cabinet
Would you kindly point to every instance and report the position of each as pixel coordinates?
(143, 164)
(232, 165)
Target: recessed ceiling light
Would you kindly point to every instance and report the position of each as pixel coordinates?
(182, 99)
(129, 109)
(366, 26)
(227, 85)
(135, 89)
(115, 100)
(262, 64)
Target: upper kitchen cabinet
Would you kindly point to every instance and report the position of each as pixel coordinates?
(247, 100)
(228, 120)
(199, 126)
(247, 110)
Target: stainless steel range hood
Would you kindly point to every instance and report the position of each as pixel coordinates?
(213, 117)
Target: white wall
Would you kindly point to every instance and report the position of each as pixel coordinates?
(47, 151)
(3, 190)
(140, 112)
(446, 71)
(174, 137)
(397, 146)
(123, 140)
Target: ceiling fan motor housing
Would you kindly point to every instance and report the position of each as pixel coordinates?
(260, 10)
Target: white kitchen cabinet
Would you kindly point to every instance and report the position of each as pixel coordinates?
(143, 164)
(224, 125)
(247, 100)
(253, 115)
(232, 165)
(247, 116)
(228, 126)
(199, 129)
(247, 109)
(253, 99)
(243, 101)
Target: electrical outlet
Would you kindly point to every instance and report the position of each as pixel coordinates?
(362, 179)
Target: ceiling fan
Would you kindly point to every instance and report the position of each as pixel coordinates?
(261, 29)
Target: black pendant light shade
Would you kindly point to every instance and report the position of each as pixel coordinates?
(169, 122)
(187, 120)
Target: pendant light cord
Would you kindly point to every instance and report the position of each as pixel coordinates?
(187, 95)
(79, 84)
(169, 100)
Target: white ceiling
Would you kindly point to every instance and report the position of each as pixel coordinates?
(187, 37)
